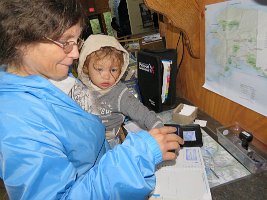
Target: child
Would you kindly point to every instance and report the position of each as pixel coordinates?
(102, 63)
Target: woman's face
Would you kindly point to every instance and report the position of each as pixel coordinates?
(48, 59)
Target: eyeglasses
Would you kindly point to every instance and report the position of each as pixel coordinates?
(67, 46)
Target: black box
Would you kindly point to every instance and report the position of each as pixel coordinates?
(150, 78)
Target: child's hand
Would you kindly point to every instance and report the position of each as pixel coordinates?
(168, 141)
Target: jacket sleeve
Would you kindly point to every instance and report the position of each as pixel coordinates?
(126, 172)
(39, 169)
(132, 107)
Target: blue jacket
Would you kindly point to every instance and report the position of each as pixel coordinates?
(51, 149)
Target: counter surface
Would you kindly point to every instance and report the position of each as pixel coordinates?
(251, 187)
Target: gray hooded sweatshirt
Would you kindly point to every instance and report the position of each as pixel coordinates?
(112, 105)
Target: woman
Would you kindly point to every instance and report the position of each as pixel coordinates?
(49, 147)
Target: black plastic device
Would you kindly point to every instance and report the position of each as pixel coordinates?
(191, 134)
(150, 78)
(246, 138)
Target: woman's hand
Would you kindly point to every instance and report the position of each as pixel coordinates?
(168, 141)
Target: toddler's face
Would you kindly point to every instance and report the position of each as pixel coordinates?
(105, 72)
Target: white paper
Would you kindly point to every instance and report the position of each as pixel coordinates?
(187, 110)
(201, 123)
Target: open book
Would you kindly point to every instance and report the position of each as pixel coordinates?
(182, 179)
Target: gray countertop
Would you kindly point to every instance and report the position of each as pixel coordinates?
(252, 187)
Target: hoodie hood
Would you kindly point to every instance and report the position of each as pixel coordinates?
(94, 43)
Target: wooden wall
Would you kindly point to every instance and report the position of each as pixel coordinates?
(189, 17)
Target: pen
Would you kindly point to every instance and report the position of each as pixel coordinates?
(214, 173)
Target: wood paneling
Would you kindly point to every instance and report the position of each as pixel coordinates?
(184, 15)
(191, 76)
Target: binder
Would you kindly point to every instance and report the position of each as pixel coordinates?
(150, 78)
